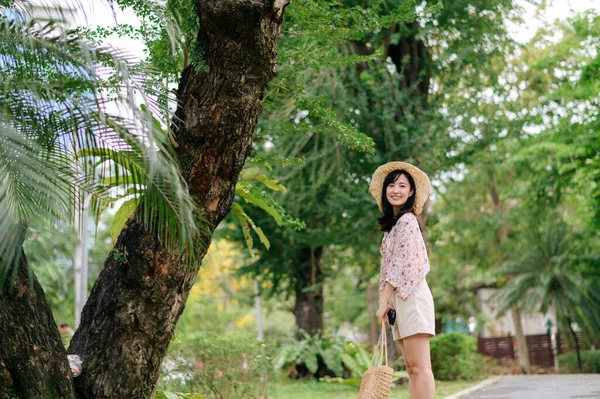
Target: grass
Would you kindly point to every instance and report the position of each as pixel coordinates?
(288, 389)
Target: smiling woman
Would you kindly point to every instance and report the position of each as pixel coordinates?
(401, 190)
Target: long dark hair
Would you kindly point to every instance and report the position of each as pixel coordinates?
(388, 220)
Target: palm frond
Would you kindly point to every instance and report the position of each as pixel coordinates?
(33, 184)
(53, 94)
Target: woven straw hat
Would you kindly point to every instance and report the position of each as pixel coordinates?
(422, 183)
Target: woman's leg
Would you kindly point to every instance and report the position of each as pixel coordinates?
(411, 383)
(415, 350)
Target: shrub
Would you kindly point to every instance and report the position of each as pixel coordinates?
(316, 355)
(454, 357)
(590, 362)
(218, 366)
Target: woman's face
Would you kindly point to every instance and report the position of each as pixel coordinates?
(398, 192)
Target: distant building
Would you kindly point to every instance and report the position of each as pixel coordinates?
(533, 323)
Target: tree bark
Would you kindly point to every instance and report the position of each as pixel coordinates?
(576, 340)
(131, 314)
(521, 341)
(309, 291)
(372, 302)
(413, 62)
(33, 362)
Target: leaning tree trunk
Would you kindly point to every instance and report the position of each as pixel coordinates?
(309, 291)
(521, 341)
(33, 362)
(576, 340)
(130, 316)
(516, 315)
(372, 302)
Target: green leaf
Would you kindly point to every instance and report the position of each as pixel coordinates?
(331, 358)
(261, 235)
(309, 358)
(248, 196)
(249, 173)
(352, 364)
(271, 183)
(242, 218)
(121, 217)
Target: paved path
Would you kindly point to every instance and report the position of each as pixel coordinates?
(555, 386)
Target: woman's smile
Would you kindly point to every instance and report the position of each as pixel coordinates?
(398, 192)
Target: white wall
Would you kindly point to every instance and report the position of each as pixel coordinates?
(533, 324)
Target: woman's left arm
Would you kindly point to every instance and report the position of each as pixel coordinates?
(384, 297)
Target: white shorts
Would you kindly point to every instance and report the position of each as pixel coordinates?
(415, 315)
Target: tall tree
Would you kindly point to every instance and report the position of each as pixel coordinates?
(393, 85)
(518, 150)
(131, 313)
(553, 269)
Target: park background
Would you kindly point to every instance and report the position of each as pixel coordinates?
(496, 100)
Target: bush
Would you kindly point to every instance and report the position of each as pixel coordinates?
(218, 366)
(590, 362)
(454, 357)
(316, 355)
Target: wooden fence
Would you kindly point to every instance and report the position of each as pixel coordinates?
(498, 347)
(540, 349)
(541, 352)
(566, 343)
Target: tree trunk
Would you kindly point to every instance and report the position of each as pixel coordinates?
(412, 61)
(309, 291)
(576, 340)
(372, 303)
(516, 315)
(521, 341)
(33, 361)
(130, 316)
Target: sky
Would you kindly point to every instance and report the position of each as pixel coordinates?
(557, 9)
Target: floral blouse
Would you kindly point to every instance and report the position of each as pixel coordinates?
(404, 261)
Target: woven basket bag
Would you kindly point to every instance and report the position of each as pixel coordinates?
(377, 380)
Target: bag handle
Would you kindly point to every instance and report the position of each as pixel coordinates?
(381, 349)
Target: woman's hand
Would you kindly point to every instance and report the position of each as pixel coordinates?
(382, 313)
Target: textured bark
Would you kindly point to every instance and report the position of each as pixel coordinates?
(130, 316)
(33, 361)
(521, 341)
(309, 301)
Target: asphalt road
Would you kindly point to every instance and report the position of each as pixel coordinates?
(555, 386)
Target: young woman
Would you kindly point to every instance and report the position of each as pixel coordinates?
(401, 190)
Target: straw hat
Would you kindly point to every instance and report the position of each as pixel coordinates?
(422, 183)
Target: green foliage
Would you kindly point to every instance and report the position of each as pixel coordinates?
(590, 362)
(177, 395)
(356, 358)
(552, 266)
(216, 365)
(454, 357)
(319, 351)
(373, 95)
(49, 251)
(302, 389)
